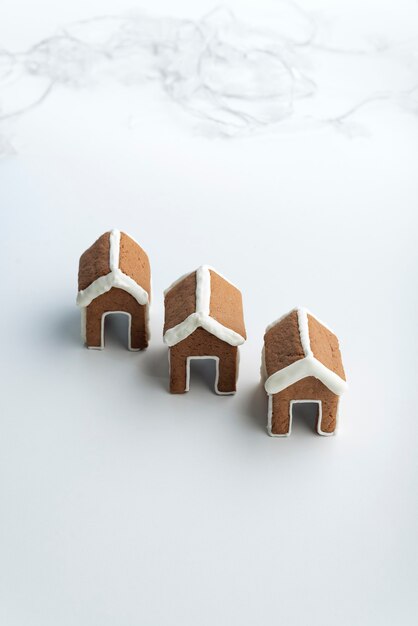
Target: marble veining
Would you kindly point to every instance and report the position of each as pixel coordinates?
(231, 77)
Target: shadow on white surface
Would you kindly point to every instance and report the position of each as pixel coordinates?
(121, 504)
(232, 76)
(255, 407)
(63, 327)
(255, 410)
(155, 365)
(304, 416)
(116, 331)
(203, 374)
(67, 329)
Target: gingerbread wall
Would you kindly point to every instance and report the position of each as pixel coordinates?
(306, 389)
(116, 300)
(202, 343)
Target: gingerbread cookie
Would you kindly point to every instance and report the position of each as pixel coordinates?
(301, 363)
(114, 277)
(203, 319)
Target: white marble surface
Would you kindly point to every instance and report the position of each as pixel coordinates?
(120, 504)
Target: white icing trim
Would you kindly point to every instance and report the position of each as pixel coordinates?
(263, 367)
(114, 249)
(292, 402)
(270, 417)
(319, 422)
(203, 290)
(177, 282)
(103, 284)
(147, 322)
(84, 324)
(84, 327)
(115, 278)
(102, 325)
(198, 320)
(309, 366)
(214, 358)
(201, 317)
(303, 325)
(207, 267)
(303, 310)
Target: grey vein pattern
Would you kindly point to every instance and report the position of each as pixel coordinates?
(232, 77)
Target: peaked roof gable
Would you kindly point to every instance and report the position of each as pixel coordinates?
(298, 345)
(106, 265)
(203, 299)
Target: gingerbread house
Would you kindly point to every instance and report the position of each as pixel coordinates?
(114, 277)
(203, 320)
(301, 363)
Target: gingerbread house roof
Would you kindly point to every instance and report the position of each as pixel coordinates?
(298, 345)
(204, 299)
(114, 260)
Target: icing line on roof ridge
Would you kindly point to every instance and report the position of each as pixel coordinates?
(297, 309)
(207, 267)
(103, 284)
(303, 327)
(184, 329)
(309, 366)
(203, 290)
(114, 249)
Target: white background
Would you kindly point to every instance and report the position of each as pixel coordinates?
(123, 505)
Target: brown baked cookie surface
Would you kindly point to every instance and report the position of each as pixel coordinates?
(203, 319)
(202, 344)
(302, 363)
(94, 262)
(116, 301)
(114, 277)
